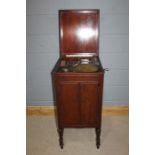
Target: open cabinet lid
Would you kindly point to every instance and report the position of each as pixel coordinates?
(79, 32)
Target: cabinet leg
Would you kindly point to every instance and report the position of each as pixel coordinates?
(98, 132)
(60, 131)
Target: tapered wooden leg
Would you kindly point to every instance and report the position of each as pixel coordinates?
(60, 131)
(98, 132)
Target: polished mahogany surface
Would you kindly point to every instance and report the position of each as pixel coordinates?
(79, 31)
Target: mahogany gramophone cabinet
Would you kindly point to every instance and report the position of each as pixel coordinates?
(78, 74)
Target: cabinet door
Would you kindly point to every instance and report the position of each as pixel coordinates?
(68, 95)
(89, 102)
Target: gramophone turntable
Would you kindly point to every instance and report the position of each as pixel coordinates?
(85, 65)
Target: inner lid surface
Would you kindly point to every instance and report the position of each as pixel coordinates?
(79, 31)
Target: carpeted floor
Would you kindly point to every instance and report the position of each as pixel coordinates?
(42, 138)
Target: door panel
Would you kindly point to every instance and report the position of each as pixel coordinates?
(89, 101)
(69, 103)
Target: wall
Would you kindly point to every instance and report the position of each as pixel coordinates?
(43, 47)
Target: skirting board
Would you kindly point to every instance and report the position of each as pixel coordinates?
(51, 110)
